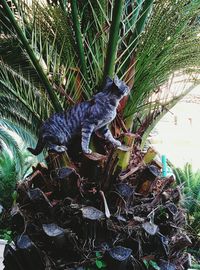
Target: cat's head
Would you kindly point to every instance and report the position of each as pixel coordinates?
(117, 87)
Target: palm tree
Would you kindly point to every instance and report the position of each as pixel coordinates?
(56, 54)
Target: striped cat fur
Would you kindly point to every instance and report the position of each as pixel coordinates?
(84, 118)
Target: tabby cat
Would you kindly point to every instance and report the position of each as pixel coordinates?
(84, 118)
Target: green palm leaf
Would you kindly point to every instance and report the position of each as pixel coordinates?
(8, 177)
(11, 143)
(191, 182)
(27, 137)
(160, 51)
(29, 50)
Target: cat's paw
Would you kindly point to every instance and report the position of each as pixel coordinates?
(117, 143)
(88, 151)
(58, 149)
(61, 149)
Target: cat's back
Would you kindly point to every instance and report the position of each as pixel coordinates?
(67, 120)
(77, 112)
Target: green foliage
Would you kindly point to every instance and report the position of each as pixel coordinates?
(100, 263)
(20, 101)
(15, 164)
(194, 266)
(6, 235)
(146, 263)
(32, 55)
(170, 43)
(151, 264)
(11, 143)
(154, 265)
(191, 183)
(27, 137)
(8, 178)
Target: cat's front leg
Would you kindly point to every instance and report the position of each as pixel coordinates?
(86, 133)
(108, 136)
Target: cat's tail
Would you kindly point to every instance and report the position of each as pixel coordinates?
(39, 147)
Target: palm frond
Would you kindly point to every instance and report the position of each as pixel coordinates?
(15, 87)
(10, 174)
(13, 56)
(165, 48)
(12, 114)
(27, 137)
(11, 143)
(29, 50)
(191, 181)
(5, 25)
(8, 178)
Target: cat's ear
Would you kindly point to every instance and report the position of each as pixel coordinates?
(108, 80)
(116, 80)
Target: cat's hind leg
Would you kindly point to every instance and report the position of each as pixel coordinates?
(55, 144)
(105, 132)
(57, 148)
